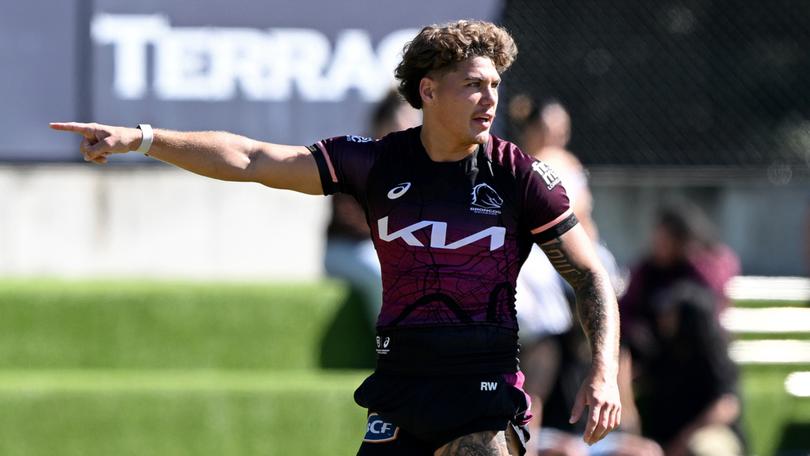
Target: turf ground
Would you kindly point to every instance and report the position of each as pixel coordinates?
(169, 368)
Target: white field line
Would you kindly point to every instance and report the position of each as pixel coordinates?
(770, 351)
(766, 320)
(769, 288)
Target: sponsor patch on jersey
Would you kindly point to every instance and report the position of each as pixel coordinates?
(358, 139)
(548, 174)
(379, 430)
(485, 200)
(382, 345)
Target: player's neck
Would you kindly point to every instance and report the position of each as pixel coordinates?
(442, 148)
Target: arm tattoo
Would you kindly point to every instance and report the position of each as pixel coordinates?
(488, 443)
(592, 294)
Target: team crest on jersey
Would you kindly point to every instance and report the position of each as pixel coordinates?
(485, 200)
(548, 174)
(379, 431)
(358, 139)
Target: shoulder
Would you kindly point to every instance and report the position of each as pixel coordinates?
(508, 155)
(399, 140)
(364, 144)
(364, 151)
(520, 164)
(346, 148)
(350, 142)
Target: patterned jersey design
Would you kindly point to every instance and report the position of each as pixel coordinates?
(451, 237)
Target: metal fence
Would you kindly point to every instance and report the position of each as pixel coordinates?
(690, 82)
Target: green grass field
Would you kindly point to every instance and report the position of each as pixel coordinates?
(172, 368)
(98, 412)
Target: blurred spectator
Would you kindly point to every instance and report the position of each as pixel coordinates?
(552, 356)
(544, 133)
(684, 247)
(350, 253)
(687, 382)
(688, 396)
(807, 239)
(558, 437)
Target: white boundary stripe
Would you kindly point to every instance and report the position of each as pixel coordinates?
(766, 320)
(769, 288)
(770, 351)
(798, 384)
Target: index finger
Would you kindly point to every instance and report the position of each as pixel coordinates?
(83, 129)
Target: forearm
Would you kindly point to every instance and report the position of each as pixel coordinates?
(218, 155)
(599, 315)
(597, 309)
(573, 256)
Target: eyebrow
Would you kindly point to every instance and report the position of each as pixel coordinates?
(479, 78)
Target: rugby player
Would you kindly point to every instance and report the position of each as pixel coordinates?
(453, 212)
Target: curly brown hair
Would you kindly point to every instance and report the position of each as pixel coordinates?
(441, 47)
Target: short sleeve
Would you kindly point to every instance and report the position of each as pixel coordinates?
(546, 208)
(344, 163)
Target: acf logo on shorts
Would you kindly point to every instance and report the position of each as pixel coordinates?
(379, 430)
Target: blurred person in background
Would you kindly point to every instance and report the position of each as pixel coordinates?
(807, 239)
(687, 383)
(447, 381)
(567, 365)
(554, 352)
(545, 130)
(350, 253)
(684, 246)
(685, 254)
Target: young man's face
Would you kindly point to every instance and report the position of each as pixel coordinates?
(465, 100)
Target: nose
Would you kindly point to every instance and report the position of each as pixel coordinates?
(489, 96)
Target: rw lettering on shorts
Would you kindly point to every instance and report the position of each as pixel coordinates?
(379, 430)
(489, 386)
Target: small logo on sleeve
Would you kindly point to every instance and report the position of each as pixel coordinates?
(379, 430)
(548, 174)
(358, 139)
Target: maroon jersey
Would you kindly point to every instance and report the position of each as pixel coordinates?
(451, 238)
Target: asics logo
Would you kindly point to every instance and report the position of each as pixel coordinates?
(399, 190)
(438, 235)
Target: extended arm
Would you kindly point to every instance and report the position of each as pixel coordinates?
(214, 154)
(573, 256)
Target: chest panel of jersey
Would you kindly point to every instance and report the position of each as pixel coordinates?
(447, 238)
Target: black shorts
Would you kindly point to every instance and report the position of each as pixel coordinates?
(417, 415)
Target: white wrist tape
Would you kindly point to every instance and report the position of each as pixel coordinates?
(146, 138)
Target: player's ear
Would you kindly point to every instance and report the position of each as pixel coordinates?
(427, 90)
